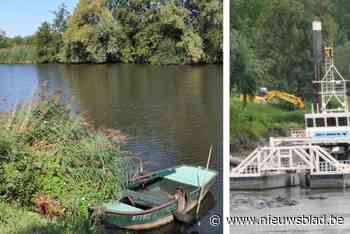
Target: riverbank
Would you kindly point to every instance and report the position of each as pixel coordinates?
(253, 123)
(56, 165)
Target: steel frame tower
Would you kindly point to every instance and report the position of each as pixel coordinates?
(332, 86)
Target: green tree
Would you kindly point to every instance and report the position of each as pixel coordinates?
(80, 32)
(130, 31)
(244, 67)
(46, 48)
(48, 40)
(193, 46)
(278, 37)
(157, 32)
(4, 42)
(138, 31)
(60, 21)
(109, 43)
(206, 16)
(182, 43)
(340, 10)
(284, 44)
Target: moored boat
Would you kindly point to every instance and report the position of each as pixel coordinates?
(155, 199)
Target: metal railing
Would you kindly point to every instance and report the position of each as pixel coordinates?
(280, 159)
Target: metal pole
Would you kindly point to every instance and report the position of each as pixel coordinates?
(317, 49)
(200, 195)
(209, 157)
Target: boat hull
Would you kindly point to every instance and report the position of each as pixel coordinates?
(143, 221)
(153, 219)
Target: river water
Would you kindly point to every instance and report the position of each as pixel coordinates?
(291, 202)
(171, 114)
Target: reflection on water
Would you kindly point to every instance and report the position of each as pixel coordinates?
(291, 202)
(172, 114)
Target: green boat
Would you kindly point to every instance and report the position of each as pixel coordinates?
(155, 199)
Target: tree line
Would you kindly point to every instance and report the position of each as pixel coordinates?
(16, 50)
(6, 42)
(271, 42)
(133, 31)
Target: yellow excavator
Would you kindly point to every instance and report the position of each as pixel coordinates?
(268, 96)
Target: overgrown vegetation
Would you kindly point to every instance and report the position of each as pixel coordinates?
(252, 122)
(135, 31)
(20, 221)
(56, 163)
(17, 54)
(16, 50)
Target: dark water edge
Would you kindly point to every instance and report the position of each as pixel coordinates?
(293, 201)
(172, 114)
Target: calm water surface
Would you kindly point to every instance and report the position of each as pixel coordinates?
(172, 114)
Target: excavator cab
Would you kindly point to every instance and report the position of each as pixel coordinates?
(263, 92)
(328, 52)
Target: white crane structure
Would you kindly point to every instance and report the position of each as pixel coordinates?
(332, 86)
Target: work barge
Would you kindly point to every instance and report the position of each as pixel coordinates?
(316, 156)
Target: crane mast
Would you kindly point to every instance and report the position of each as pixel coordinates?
(332, 86)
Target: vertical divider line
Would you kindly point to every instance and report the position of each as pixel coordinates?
(226, 117)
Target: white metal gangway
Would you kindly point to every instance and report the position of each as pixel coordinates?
(280, 159)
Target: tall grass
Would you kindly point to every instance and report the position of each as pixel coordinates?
(17, 54)
(253, 120)
(17, 220)
(50, 158)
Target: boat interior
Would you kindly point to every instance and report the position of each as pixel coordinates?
(155, 191)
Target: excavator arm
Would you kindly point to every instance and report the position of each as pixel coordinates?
(296, 101)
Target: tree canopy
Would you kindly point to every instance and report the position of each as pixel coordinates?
(134, 31)
(272, 41)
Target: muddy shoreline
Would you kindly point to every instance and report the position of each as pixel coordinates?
(291, 202)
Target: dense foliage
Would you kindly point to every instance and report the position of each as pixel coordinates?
(135, 31)
(157, 32)
(272, 42)
(54, 159)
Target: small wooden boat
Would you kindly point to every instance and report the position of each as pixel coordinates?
(153, 200)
